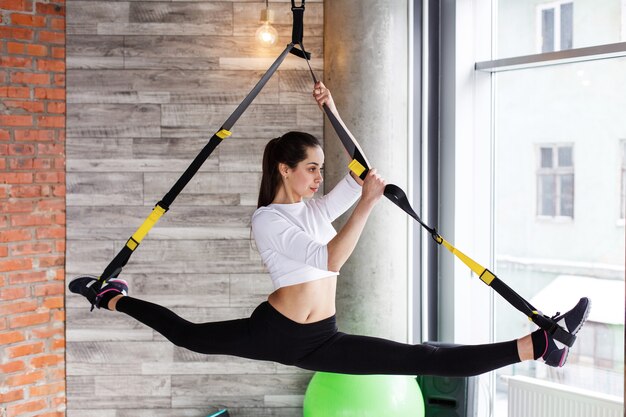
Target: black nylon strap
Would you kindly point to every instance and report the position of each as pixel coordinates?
(397, 196)
(121, 259)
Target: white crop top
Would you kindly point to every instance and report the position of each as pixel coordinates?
(292, 238)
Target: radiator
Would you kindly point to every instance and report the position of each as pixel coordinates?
(529, 397)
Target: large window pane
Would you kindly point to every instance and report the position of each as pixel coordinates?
(558, 132)
(527, 27)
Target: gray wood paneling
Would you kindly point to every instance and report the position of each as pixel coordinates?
(148, 83)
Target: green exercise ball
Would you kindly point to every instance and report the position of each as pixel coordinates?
(340, 395)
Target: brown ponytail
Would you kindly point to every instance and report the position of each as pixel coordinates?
(289, 149)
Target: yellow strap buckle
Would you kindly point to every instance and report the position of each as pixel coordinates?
(223, 134)
(356, 167)
(143, 230)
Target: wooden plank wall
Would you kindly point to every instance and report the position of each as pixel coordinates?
(148, 82)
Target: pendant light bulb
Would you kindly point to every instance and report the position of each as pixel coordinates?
(266, 35)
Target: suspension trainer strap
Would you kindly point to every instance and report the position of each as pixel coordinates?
(360, 166)
(115, 266)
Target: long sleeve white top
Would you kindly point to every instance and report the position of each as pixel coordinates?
(292, 238)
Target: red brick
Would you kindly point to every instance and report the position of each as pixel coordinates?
(53, 302)
(50, 233)
(29, 106)
(26, 191)
(56, 107)
(54, 413)
(59, 79)
(19, 307)
(34, 135)
(5, 135)
(3, 164)
(15, 120)
(4, 252)
(15, 92)
(30, 78)
(25, 220)
(59, 246)
(21, 5)
(58, 316)
(46, 360)
(50, 177)
(29, 320)
(21, 149)
(51, 261)
(57, 23)
(37, 50)
(16, 48)
(27, 277)
(11, 178)
(25, 350)
(58, 343)
(51, 149)
(59, 190)
(43, 164)
(50, 65)
(32, 249)
(17, 206)
(16, 33)
(58, 401)
(12, 396)
(47, 389)
(10, 337)
(21, 164)
(48, 332)
(16, 62)
(51, 121)
(57, 288)
(52, 37)
(51, 205)
(50, 93)
(58, 53)
(54, 9)
(23, 408)
(13, 265)
(19, 19)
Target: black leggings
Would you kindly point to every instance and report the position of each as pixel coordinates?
(269, 335)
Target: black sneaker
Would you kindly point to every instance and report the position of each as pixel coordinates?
(553, 355)
(82, 285)
(576, 317)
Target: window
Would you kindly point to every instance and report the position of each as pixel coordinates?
(623, 20)
(556, 26)
(622, 211)
(555, 181)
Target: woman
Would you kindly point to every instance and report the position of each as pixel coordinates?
(303, 254)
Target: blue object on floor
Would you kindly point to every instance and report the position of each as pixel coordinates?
(221, 413)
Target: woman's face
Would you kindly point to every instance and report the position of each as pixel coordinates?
(306, 178)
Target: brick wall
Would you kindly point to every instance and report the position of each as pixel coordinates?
(32, 208)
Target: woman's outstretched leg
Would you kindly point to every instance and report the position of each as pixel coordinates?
(351, 354)
(230, 337)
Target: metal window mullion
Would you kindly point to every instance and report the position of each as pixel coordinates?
(568, 56)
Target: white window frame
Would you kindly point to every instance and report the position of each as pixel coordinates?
(623, 20)
(557, 171)
(556, 6)
(621, 209)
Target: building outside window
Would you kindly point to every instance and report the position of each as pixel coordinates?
(555, 126)
(556, 27)
(555, 181)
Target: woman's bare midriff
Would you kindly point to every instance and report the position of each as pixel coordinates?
(307, 302)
